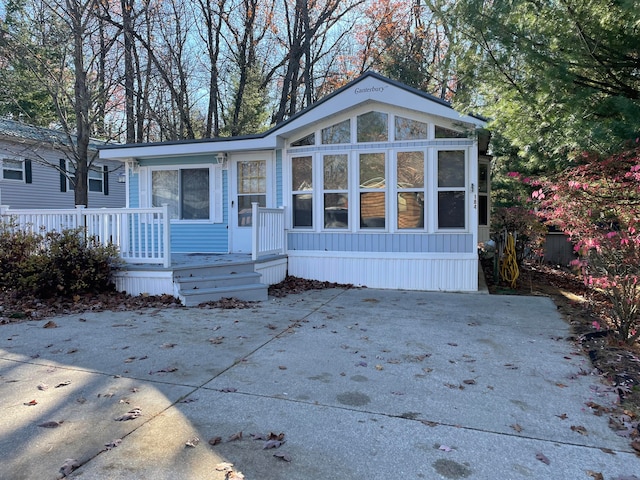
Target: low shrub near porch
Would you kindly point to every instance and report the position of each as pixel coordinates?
(51, 264)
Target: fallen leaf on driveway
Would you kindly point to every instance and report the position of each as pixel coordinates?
(608, 450)
(215, 440)
(272, 444)
(429, 423)
(192, 442)
(164, 370)
(113, 443)
(543, 458)
(229, 390)
(216, 340)
(50, 324)
(516, 427)
(595, 475)
(469, 382)
(636, 445)
(235, 436)
(43, 386)
(69, 465)
(31, 403)
(130, 415)
(282, 456)
(445, 448)
(579, 429)
(51, 424)
(561, 385)
(224, 467)
(562, 417)
(168, 345)
(63, 384)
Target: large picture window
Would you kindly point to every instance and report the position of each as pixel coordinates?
(186, 191)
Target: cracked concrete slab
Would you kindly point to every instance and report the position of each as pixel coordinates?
(365, 384)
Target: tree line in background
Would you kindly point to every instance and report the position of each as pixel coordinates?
(555, 77)
(154, 70)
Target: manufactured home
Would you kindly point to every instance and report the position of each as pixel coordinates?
(377, 184)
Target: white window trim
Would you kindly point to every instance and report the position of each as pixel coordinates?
(3, 168)
(437, 189)
(215, 190)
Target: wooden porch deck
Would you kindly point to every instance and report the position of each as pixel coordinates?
(201, 277)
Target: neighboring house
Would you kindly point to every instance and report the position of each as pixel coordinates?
(32, 160)
(382, 185)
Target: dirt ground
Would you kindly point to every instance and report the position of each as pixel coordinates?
(582, 308)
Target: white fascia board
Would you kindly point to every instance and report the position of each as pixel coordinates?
(198, 147)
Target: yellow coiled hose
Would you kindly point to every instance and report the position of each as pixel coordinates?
(509, 271)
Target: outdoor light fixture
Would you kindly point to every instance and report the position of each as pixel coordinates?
(133, 165)
(222, 159)
(122, 177)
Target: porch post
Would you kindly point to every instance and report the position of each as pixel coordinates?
(255, 225)
(167, 235)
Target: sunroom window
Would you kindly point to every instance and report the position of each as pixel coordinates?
(407, 129)
(373, 127)
(372, 190)
(338, 133)
(336, 193)
(443, 132)
(302, 187)
(186, 191)
(451, 189)
(411, 194)
(305, 141)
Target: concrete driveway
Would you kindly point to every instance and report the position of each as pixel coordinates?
(364, 384)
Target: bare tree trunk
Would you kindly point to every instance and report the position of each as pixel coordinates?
(130, 119)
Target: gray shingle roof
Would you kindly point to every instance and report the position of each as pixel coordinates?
(23, 131)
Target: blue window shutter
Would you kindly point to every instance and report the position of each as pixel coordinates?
(63, 177)
(28, 178)
(105, 180)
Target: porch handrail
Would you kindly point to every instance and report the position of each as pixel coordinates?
(267, 231)
(142, 235)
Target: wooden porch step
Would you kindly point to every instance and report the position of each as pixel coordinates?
(217, 281)
(198, 284)
(256, 292)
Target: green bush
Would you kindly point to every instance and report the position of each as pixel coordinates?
(54, 263)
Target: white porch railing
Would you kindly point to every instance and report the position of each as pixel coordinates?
(268, 233)
(142, 235)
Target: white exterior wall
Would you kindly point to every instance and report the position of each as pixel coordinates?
(433, 272)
